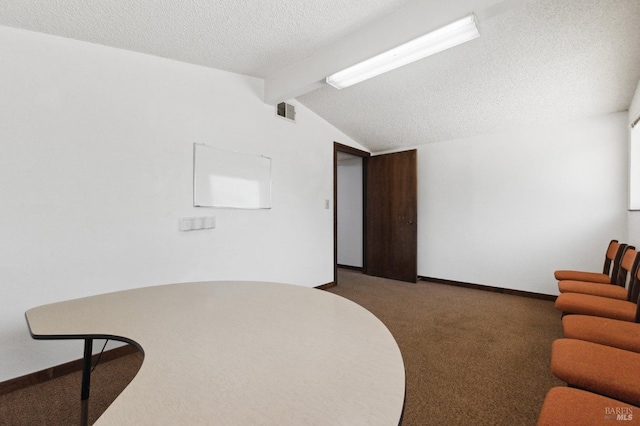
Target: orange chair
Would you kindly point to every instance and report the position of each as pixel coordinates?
(574, 407)
(609, 271)
(587, 304)
(607, 371)
(617, 291)
(604, 331)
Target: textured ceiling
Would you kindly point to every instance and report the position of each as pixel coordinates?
(547, 61)
(244, 36)
(539, 62)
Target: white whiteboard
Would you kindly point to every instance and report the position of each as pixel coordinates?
(230, 179)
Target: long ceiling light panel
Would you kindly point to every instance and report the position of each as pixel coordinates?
(436, 41)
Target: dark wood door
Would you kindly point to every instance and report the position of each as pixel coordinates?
(391, 216)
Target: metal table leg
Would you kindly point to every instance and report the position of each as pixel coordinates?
(86, 382)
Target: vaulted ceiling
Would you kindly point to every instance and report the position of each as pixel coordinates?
(536, 61)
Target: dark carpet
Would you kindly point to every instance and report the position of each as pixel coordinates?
(471, 357)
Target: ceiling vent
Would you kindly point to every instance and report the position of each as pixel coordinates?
(286, 111)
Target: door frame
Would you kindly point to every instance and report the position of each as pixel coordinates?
(338, 147)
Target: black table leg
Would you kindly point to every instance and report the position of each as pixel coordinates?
(86, 381)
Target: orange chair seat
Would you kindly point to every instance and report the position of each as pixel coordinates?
(603, 290)
(592, 277)
(586, 304)
(575, 407)
(604, 331)
(604, 370)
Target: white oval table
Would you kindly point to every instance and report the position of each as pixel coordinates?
(240, 353)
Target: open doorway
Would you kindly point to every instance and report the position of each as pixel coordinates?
(349, 167)
(350, 206)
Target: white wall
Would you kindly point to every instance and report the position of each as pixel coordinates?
(350, 212)
(508, 209)
(634, 216)
(96, 170)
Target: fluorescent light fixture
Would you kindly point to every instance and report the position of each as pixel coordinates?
(436, 41)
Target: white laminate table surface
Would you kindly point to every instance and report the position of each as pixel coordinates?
(240, 353)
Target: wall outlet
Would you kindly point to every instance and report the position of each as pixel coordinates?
(196, 223)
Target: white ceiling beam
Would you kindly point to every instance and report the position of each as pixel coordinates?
(409, 22)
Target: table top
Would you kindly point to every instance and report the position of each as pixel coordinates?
(240, 353)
